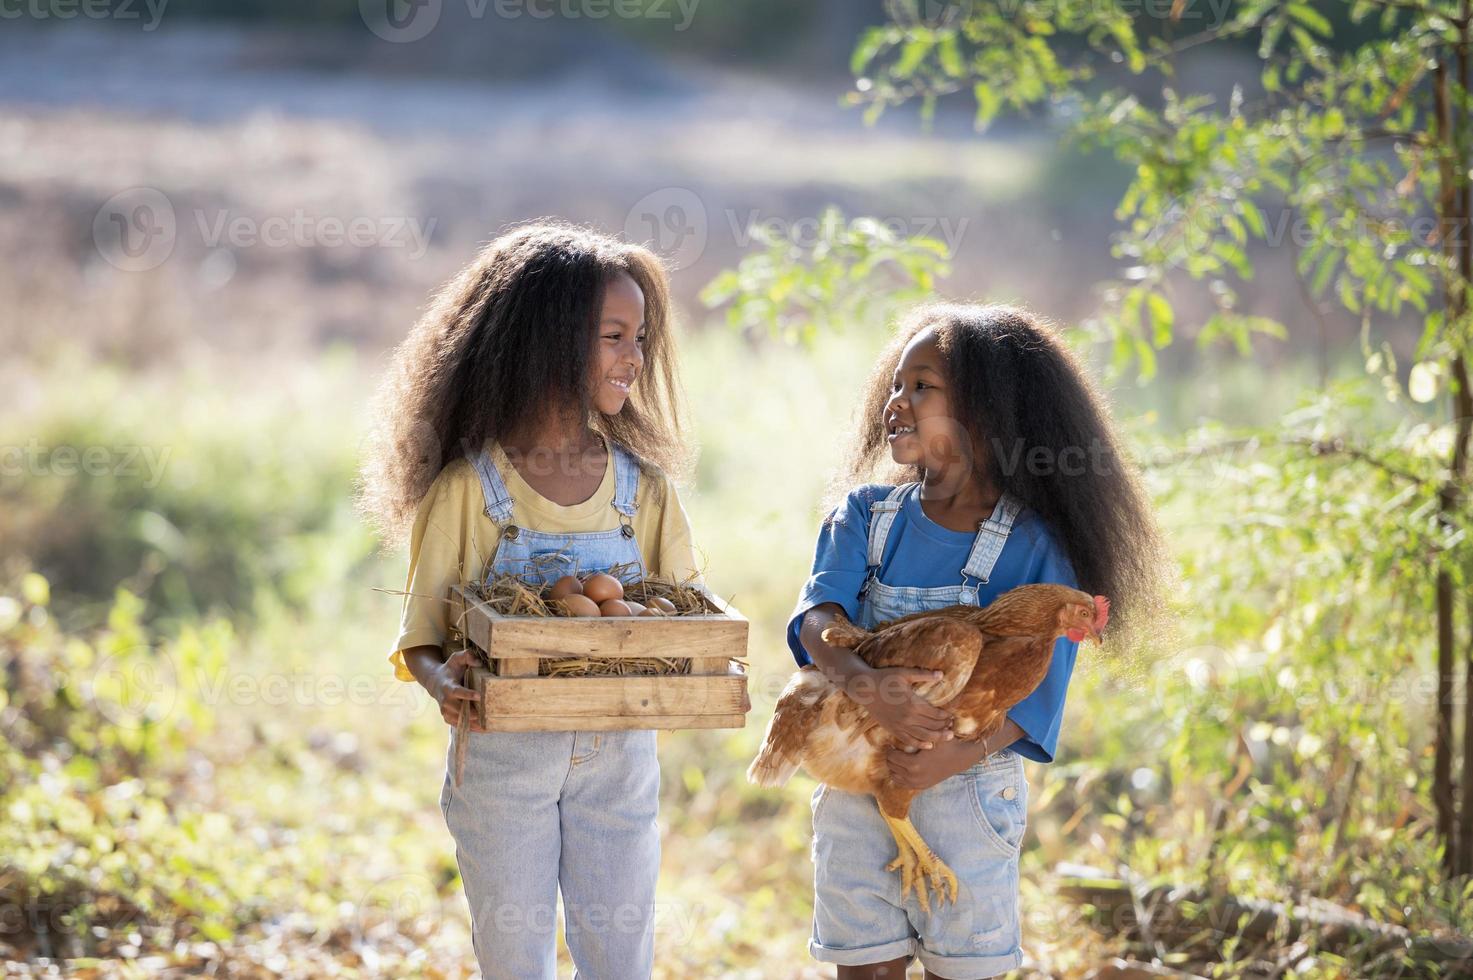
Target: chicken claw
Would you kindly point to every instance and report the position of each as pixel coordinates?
(919, 867)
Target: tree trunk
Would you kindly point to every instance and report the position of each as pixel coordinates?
(1443, 796)
(1463, 407)
(1456, 202)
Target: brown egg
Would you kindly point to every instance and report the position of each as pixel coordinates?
(652, 611)
(580, 605)
(603, 587)
(635, 609)
(614, 607)
(664, 605)
(565, 586)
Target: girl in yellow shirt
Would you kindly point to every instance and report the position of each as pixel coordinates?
(526, 426)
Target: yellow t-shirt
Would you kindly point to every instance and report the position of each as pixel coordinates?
(453, 540)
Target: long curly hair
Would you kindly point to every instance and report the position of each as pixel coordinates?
(509, 339)
(1039, 431)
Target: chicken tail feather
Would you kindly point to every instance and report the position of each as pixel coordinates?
(787, 733)
(770, 768)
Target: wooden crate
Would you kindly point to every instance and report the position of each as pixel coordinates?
(515, 699)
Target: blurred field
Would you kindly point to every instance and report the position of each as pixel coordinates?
(208, 763)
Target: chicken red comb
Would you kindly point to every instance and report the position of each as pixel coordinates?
(1102, 613)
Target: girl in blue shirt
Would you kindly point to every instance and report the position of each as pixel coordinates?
(1006, 471)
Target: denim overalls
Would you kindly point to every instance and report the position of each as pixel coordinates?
(537, 811)
(974, 821)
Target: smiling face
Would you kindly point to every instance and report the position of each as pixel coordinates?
(918, 419)
(619, 353)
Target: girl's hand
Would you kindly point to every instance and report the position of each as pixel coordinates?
(922, 770)
(446, 685)
(888, 694)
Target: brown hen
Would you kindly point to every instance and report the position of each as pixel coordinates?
(990, 658)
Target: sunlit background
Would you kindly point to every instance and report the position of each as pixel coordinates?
(217, 218)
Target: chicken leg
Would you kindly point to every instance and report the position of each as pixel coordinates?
(918, 865)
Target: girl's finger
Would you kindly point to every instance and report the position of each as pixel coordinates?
(929, 721)
(922, 740)
(905, 740)
(458, 693)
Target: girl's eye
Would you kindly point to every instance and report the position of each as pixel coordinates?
(642, 338)
(921, 384)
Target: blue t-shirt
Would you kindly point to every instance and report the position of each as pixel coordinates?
(922, 554)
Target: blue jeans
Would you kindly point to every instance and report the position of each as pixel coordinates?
(539, 810)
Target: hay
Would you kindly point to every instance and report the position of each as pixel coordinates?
(509, 595)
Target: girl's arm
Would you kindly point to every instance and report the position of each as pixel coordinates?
(839, 664)
(887, 694)
(922, 770)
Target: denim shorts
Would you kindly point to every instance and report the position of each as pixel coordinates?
(974, 821)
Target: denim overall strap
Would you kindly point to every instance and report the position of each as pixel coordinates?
(881, 519)
(499, 502)
(493, 487)
(992, 534)
(626, 483)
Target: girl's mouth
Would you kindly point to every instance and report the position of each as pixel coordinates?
(900, 431)
(622, 384)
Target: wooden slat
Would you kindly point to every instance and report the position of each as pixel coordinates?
(608, 723)
(571, 697)
(719, 636)
(518, 704)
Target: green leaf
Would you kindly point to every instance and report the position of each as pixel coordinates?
(988, 103)
(870, 44)
(911, 55)
(1161, 319)
(1311, 18)
(1324, 270)
(950, 56)
(1253, 217)
(1271, 34)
